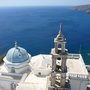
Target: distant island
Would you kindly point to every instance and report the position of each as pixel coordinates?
(85, 8)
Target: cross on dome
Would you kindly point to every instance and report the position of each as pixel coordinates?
(16, 44)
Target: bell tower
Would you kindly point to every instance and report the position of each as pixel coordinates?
(60, 52)
(60, 41)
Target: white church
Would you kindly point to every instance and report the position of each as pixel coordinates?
(59, 70)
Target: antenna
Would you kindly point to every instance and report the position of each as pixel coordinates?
(80, 49)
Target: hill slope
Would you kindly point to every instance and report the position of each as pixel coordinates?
(85, 8)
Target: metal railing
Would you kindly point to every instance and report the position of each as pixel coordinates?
(73, 56)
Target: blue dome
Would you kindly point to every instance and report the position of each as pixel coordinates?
(17, 55)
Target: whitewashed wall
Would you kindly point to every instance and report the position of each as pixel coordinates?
(78, 84)
(5, 85)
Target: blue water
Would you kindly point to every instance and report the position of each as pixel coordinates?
(34, 28)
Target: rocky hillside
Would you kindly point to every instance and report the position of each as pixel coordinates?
(85, 8)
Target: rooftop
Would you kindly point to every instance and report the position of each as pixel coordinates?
(75, 64)
(17, 54)
(33, 82)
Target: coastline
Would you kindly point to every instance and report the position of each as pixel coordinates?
(84, 8)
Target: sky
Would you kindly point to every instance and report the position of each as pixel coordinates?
(43, 2)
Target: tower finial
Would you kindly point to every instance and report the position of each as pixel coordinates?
(60, 31)
(16, 44)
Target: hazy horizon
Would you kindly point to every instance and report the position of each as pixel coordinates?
(23, 3)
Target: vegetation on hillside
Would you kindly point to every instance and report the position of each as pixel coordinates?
(1, 58)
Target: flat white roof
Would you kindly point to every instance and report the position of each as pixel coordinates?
(75, 64)
(34, 82)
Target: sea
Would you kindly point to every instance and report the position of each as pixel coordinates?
(34, 28)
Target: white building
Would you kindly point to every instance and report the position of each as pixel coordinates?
(55, 71)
